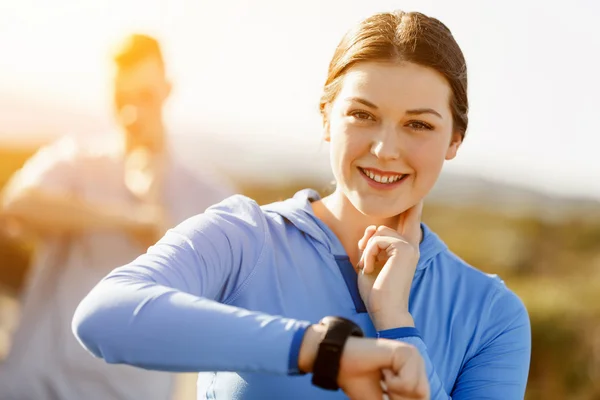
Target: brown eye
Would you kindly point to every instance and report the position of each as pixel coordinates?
(420, 126)
(361, 115)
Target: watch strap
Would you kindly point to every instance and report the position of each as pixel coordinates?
(327, 362)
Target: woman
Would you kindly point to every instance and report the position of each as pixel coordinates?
(240, 288)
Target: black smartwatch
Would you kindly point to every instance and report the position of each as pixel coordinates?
(327, 363)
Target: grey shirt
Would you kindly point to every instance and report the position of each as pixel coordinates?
(46, 362)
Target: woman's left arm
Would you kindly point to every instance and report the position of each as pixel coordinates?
(497, 370)
(500, 366)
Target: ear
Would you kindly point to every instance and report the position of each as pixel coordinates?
(455, 142)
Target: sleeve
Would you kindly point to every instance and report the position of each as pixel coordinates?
(168, 310)
(51, 168)
(500, 367)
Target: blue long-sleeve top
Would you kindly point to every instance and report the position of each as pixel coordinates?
(230, 292)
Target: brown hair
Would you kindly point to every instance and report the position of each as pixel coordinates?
(135, 48)
(403, 37)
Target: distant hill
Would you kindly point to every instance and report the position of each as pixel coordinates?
(460, 190)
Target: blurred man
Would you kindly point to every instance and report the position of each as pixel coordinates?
(96, 207)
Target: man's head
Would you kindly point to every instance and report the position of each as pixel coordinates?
(141, 88)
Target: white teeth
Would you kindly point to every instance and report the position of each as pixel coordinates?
(383, 179)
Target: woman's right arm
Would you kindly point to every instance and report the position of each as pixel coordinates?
(166, 311)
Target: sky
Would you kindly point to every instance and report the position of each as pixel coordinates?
(251, 71)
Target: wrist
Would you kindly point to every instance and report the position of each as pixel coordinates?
(384, 321)
(310, 346)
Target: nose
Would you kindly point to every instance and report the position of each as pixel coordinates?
(386, 144)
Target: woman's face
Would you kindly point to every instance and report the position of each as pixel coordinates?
(390, 130)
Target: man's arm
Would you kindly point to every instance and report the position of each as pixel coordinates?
(45, 211)
(43, 196)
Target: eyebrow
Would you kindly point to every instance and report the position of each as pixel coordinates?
(416, 111)
(362, 101)
(419, 111)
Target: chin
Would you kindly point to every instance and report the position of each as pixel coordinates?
(379, 209)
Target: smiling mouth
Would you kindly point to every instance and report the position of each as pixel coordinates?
(388, 179)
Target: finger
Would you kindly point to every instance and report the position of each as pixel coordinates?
(384, 388)
(382, 258)
(409, 223)
(376, 245)
(362, 243)
(383, 230)
(399, 390)
(390, 394)
(385, 236)
(410, 377)
(405, 383)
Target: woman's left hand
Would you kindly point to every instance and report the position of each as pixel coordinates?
(387, 267)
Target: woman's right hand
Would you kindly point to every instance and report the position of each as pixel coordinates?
(366, 363)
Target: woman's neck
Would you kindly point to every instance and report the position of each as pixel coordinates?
(348, 224)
